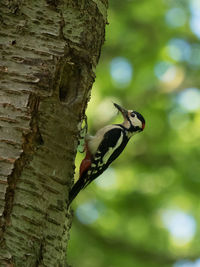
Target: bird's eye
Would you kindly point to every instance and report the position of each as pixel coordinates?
(132, 114)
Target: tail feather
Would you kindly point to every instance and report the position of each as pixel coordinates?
(80, 184)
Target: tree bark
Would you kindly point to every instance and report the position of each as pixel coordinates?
(48, 53)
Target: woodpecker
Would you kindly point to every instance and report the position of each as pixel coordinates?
(103, 148)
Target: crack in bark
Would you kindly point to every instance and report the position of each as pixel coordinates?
(62, 25)
(40, 256)
(53, 3)
(29, 140)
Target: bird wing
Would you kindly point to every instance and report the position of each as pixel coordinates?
(105, 154)
(108, 150)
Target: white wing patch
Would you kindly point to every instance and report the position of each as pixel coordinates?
(112, 149)
(94, 141)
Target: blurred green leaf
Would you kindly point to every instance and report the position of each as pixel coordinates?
(159, 171)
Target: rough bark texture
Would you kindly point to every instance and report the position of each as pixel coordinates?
(48, 51)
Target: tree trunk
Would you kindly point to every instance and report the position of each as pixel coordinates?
(48, 51)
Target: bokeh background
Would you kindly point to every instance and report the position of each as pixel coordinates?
(145, 209)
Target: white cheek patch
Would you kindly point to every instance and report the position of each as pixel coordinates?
(136, 122)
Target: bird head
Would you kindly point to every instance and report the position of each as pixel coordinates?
(133, 120)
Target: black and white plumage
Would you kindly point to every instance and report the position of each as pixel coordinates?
(103, 148)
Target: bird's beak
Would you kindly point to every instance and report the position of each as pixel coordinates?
(122, 110)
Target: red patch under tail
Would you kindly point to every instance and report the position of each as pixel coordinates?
(86, 162)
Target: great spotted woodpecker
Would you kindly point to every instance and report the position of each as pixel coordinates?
(106, 146)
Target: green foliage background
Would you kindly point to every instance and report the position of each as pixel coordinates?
(145, 210)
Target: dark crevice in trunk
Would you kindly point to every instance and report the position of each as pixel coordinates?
(30, 139)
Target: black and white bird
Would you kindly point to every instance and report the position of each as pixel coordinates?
(103, 148)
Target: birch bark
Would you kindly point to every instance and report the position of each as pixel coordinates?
(48, 53)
